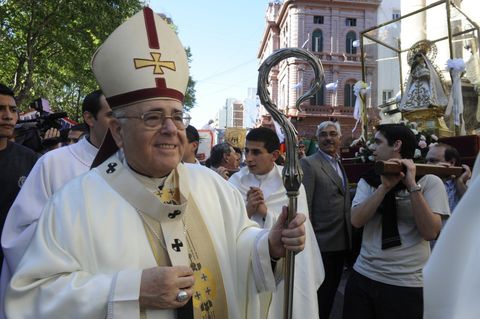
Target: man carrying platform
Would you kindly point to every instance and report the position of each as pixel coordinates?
(399, 215)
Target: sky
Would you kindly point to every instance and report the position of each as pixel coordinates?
(224, 37)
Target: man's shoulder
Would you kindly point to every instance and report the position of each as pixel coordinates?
(91, 182)
(24, 151)
(307, 159)
(200, 176)
(198, 170)
(431, 180)
(315, 157)
(58, 153)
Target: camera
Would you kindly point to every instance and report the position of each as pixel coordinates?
(31, 127)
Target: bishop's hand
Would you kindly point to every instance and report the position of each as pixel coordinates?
(160, 286)
(291, 237)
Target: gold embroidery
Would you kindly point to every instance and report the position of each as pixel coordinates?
(209, 298)
(155, 62)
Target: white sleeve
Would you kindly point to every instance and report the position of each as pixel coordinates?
(363, 192)
(435, 194)
(265, 278)
(52, 279)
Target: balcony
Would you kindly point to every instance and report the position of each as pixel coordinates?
(326, 110)
(337, 57)
(360, 2)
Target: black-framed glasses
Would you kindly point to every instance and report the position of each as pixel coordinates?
(155, 119)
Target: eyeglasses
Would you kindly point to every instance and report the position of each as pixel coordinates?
(331, 134)
(156, 119)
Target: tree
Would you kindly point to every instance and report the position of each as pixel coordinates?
(47, 47)
(189, 102)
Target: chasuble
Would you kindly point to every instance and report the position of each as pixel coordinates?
(91, 244)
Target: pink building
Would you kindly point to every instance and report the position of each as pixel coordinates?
(329, 29)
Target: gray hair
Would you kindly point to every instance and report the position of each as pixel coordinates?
(120, 112)
(324, 124)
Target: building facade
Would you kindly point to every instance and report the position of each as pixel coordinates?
(230, 115)
(330, 30)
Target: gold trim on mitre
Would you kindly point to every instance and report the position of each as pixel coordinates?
(123, 70)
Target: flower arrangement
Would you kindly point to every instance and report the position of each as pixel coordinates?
(425, 139)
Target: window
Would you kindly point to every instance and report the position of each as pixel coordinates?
(351, 22)
(318, 98)
(318, 19)
(282, 97)
(317, 41)
(386, 95)
(395, 14)
(348, 96)
(349, 48)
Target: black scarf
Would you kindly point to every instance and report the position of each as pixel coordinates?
(388, 211)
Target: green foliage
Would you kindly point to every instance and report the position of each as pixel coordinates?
(189, 102)
(46, 47)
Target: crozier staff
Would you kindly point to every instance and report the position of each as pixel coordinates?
(142, 235)
(292, 172)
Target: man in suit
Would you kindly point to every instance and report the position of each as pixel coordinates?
(328, 199)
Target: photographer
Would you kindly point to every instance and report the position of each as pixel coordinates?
(400, 215)
(41, 129)
(51, 172)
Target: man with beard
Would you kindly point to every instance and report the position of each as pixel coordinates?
(329, 205)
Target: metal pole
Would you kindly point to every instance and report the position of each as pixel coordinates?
(399, 57)
(362, 58)
(449, 29)
(456, 129)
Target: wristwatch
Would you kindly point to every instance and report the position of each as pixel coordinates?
(415, 188)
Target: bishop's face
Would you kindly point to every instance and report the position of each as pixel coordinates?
(150, 151)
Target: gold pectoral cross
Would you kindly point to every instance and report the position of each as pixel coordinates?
(155, 62)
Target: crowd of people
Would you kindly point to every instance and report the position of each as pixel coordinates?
(127, 222)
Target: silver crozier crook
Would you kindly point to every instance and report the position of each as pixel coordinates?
(292, 172)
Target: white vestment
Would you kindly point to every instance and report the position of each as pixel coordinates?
(87, 255)
(309, 271)
(52, 171)
(451, 276)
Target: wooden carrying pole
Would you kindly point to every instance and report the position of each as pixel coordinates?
(292, 172)
(390, 168)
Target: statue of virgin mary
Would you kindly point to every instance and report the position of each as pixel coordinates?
(424, 87)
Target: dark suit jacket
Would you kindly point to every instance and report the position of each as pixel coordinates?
(328, 203)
